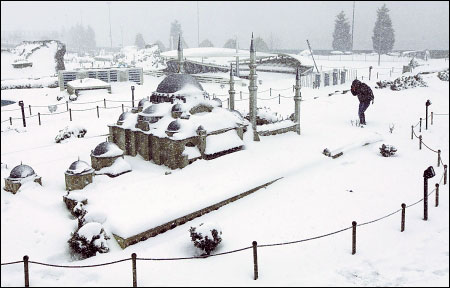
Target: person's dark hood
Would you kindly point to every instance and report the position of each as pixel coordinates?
(356, 84)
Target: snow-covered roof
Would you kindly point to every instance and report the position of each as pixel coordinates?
(222, 142)
(21, 171)
(87, 82)
(176, 82)
(214, 52)
(79, 167)
(107, 149)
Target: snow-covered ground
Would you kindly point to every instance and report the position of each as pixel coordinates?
(317, 194)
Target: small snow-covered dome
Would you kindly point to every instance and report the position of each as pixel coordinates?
(123, 116)
(177, 108)
(107, 149)
(142, 102)
(174, 126)
(79, 167)
(219, 102)
(150, 110)
(21, 171)
(176, 82)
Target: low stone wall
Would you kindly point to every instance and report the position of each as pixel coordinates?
(101, 162)
(77, 181)
(278, 131)
(125, 242)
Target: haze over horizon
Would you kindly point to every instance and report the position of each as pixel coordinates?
(417, 25)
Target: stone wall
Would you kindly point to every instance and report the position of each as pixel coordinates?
(13, 186)
(125, 242)
(278, 131)
(101, 162)
(78, 181)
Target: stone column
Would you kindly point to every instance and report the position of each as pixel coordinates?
(231, 91)
(180, 56)
(253, 90)
(297, 99)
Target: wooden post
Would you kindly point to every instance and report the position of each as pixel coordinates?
(279, 98)
(10, 120)
(445, 174)
(122, 108)
(420, 142)
(431, 118)
(354, 238)
(23, 113)
(70, 114)
(67, 105)
(29, 107)
(425, 198)
(132, 96)
(228, 103)
(39, 117)
(98, 114)
(437, 195)
(377, 75)
(240, 93)
(133, 264)
(255, 260)
(402, 228)
(25, 269)
(412, 132)
(104, 102)
(439, 158)
(292, 88)
(270, 92)
(420, 126)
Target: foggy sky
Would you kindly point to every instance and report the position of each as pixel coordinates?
(417, 25)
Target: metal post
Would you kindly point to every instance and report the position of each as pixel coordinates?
(133, 261)
(39, 117)
(279, 98)
(67, 105)
(270, 92)
(420, 142)
(25, 269)
(10, 120)
(445, 174)
(377, 75)
(23, 113)
(425, 198)
(412, 132)
(420, 126)
(370, 72)
(426, 117)
(122, 108)
(437, 195)
(98, 114)
(228, 103)
(70, 114)
(292, 88)
(132, 96)
(354, 238)
(403, 218)
(104, 102)
(431, 117)
(439, 158)
(240, 93)
(29, 107)
(255, 260)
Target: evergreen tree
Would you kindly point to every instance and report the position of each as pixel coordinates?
(161, 46)
(342, 39)
(206, 43)
(175, 31)
(383, 33)
(231, 43)
(139, 42)
(260, 45)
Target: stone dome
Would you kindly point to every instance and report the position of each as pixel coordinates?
(177, 108)
(150, 110)
(123, 116)
(21, 171)
(107, 147)
(142, 102)
(174, 126)
(79, 167)
(175, 82)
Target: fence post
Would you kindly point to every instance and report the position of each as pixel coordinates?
(29, 107)
(39, 117)
(354, 238)
(98, 114)
(445, 174)
(10, 120)
(104, 102)
(377, 75)
(437, 195)
(420, 142)
(420, 126)
(279, 98)
(228, 103)
(402, 228)
(240, 93)
(292, 88)
(412, 132)
(67, 105)
(270, 92)
(23, 113)
(132, 96)
(431, 118)
(439, 158)
(425, 198)
(70, 114)
(122, 108)
(255, 260)
(25, 269)
(133, 264)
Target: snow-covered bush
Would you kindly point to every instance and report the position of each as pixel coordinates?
(88, 240)
(413, 63)
(443, 75)
(403, 82)
(70, 131)
(265, 116)
(206, 237)
(387, 150)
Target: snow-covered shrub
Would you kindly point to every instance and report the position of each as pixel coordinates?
(88, 240)
(70, 131)
(206, 237)
(387, 150)
(265, 116)
(403, 82)
(413, 63)
(443, 75)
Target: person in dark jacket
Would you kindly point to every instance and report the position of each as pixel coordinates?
(365, 95)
